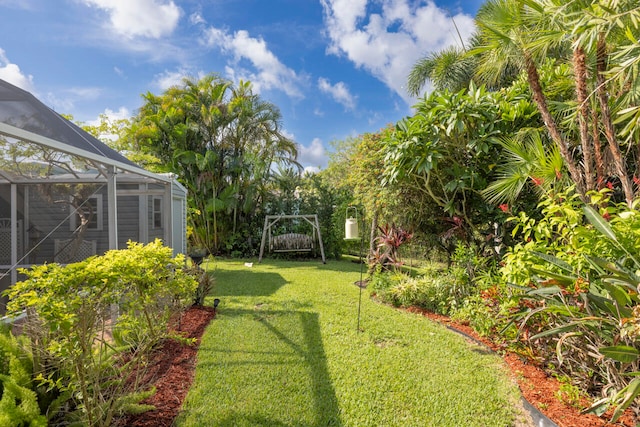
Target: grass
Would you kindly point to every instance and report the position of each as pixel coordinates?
(285, 351)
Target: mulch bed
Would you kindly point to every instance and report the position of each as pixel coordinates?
(173, 367)
(171, 370)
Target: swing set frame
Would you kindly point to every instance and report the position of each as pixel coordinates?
(271, 220)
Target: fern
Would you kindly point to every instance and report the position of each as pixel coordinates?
(130, 403)
(18, 402)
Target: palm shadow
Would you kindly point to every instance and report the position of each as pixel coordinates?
(309, 349)
(240, 283)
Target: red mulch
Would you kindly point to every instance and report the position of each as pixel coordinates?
(171, 371)
(173, 368)
(536, 386)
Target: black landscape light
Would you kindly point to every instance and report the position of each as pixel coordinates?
(216, 302)
(197, 259)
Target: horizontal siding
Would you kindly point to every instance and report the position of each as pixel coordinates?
(51, 221)
(128, 228)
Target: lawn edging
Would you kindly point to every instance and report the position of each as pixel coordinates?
(539, 419)
(529, 379)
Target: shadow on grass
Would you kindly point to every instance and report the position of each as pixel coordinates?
(308, 350)
(240, 283)
(331, 265)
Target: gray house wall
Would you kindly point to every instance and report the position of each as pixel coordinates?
(54, 222)
(128, 221)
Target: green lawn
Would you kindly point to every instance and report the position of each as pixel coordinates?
(285, 351)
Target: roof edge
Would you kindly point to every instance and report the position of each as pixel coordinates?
(14, 132)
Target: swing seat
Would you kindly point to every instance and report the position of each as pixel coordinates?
(292, 242)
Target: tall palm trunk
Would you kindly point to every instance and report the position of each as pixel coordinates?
(597, 150)
(580, 72)
(538, 96)
(603, 98)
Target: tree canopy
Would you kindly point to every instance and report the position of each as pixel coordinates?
(223, 142)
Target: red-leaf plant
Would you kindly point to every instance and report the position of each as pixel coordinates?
(388, 242)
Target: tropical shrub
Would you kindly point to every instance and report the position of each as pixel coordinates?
(205, 284)
(381, 284)
(447, 152)
(436, 291)
(579, 305)
(223, 141)
(91, 325)
(387, 255)
(489, 311)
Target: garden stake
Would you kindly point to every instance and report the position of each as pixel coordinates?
(351, 232)
(360, 284)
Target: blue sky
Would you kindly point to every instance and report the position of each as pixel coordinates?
(335, 68)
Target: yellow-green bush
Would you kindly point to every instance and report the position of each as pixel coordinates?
(74, 310)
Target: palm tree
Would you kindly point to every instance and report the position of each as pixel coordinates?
(449, 69)
(506, 30)
(529, 161)
(581, 33)
(222, 141)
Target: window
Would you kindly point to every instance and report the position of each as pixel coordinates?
(91, 209)
(157, 212)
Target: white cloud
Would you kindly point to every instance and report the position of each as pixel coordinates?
(197, 19)
(11, 73)
(288, 134)
(85, 93)
(313, 155)
(140, 18)
(267, 72)
(169, 78)
(339, 92)
(111, 117)
(64, 101)
(388, 43)
(311, 169)
(122, 113)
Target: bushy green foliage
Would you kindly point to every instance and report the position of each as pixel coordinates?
(485, 303)
(448, 151)
(317, 196)
(437, 291)
(222, 141)
(205, 284)
(72, 310)
(18, 399)
(579, 307)
(382, 283)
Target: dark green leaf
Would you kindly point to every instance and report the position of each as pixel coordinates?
(599, 223)
(620, 353)
(559, 330)
(630, 392)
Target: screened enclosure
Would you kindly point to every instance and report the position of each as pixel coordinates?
(65, 195)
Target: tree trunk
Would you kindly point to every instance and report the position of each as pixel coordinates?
(580, 72)
(597, 149)
(552, 127)
(603, 98)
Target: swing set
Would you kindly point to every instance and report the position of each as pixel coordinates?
(291, 242)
